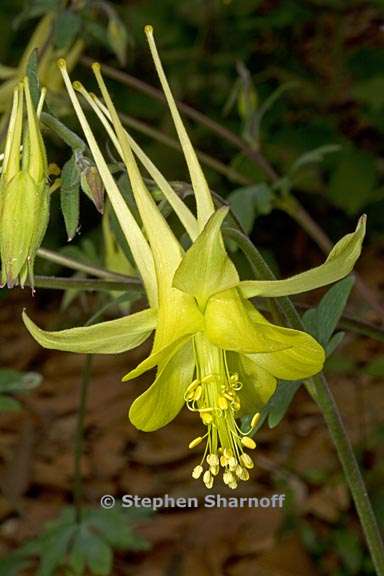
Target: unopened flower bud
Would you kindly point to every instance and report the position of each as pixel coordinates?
(24, 193)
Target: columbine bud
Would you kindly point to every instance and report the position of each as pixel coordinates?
(24, 193)
(92, 184)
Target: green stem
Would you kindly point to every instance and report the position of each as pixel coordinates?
(332, 417)
(319, 389)
(63, 132)
(90, 284)
(97, 271)
(79, 438)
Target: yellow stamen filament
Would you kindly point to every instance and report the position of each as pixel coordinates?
(214, 395)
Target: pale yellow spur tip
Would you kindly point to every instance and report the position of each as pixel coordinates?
(148, 29)
(61, 63)
(96, 66)
(77, 86)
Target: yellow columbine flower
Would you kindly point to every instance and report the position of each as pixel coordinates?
(214, 352)
(24, 195)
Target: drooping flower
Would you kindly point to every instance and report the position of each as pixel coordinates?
(24, 194)
(214, 352)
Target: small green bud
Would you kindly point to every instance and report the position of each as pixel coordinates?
(24, 193)
(93, 187)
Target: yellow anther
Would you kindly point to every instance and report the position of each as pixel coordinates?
(248, 442)
(232, 463)
(214, 470)
(196, 472)
(208, 479)
(255, 420)
(236, 406)
(192, 387)
(195, 442)
(148, 29)
(206, 418)
(61, 63)
(242, 473)
(223, 461)
(222, 402)
(228, 453)
(213, 460)
(228, 477)
(246, 461)
(233, 485)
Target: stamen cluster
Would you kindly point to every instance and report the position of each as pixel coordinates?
(215, 397)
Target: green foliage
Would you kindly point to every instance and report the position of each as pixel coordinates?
(13, 382)
(249, 202)
(79, 547)
(69, 196)
(67, 27)
(320, 321)
(354, 182)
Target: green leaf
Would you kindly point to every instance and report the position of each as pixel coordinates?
(67, 27)
(115, 526)
(118, 38)
(33, 77)
(97, 552)
(313, 156)
(8, 404)
(248, 202)
(54, 547)
(14, 381)
(334, 342)
(278, 405)
(322, 320)
(69, 196)
(353, 183)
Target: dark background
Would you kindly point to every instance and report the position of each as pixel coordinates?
(225, 59)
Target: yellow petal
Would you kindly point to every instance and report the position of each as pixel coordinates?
(206, 268)
(285, 353)
(163, 400)
(111, 337)
(339, 264)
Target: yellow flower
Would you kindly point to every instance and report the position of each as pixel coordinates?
(214, 352)
(24, 195)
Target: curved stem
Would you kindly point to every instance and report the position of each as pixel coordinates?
(322, 394)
